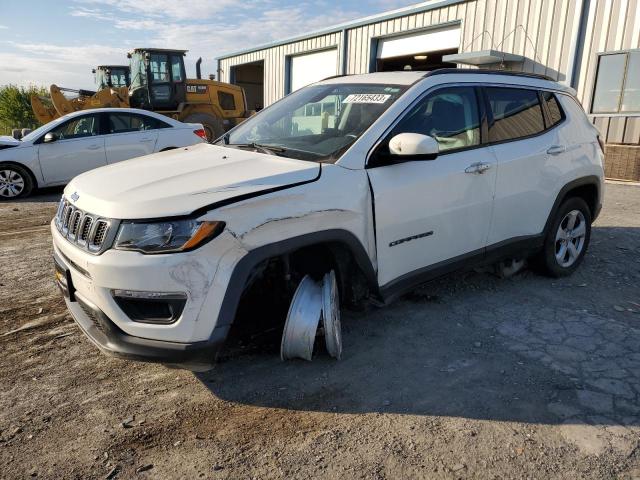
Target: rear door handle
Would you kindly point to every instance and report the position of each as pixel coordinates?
(556, 150)
(145, 140)
(94, 147)
(477, 168)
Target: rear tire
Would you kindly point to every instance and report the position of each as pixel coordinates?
(567, 240)
(213, 125)
(15, 182)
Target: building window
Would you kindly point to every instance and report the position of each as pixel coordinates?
(617, 86)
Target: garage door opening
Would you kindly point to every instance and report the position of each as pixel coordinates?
(250, 76)
(420, 50)
(423, 61)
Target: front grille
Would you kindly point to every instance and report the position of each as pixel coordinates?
(92, 316)
(87, 223)
(101, 232)
(90, 232)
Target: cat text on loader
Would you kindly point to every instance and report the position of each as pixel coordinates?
(158, 83)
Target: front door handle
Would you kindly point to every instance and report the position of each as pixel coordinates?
(94, 147)
(477, 168)
(556, 150)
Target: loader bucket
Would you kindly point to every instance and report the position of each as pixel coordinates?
(43, 113)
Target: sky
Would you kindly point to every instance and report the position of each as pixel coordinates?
(44, 42)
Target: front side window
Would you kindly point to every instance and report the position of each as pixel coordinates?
(449, 115)
(80, 127)
(316, 123)
(617, 85)
(516, 113)
(125, 122)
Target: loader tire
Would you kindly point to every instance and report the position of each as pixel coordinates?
(212, 125)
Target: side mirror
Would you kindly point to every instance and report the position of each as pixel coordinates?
(50, 137)
(414, 146)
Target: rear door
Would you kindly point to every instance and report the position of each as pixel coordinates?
(79, 147)
(129, 135)
(429, 213)
(530, 152)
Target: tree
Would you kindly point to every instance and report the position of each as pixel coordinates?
(15, 107)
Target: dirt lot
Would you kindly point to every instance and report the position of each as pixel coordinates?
(471, 376)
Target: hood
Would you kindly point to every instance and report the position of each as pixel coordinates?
(6, 142)
(178, 182)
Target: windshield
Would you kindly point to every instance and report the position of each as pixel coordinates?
(40, 130)
(316, 123)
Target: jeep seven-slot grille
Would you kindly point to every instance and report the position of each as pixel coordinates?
(88, 231)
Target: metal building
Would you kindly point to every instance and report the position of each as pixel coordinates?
(591, 45)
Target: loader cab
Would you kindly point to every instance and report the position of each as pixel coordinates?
(113, 76)
(158, 79)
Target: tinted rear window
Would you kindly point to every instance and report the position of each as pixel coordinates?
(516, 112)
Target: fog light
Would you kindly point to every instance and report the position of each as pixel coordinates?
(151, 307)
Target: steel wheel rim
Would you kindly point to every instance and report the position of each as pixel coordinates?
(11, 183)
(570, 238)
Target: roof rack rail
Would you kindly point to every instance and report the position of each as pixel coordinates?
(442, 71)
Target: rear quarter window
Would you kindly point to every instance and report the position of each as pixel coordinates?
(553, 108)
(516, 113)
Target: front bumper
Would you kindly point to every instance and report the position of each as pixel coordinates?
(110, 339)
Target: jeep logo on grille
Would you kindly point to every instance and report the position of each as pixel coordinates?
(75, 196)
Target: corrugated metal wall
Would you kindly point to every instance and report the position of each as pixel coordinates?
(541, 30)
(538, 29)
(274, 62)
(612, 25)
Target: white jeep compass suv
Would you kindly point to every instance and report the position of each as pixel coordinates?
(389, 179)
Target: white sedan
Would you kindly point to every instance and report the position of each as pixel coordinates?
(80, 141)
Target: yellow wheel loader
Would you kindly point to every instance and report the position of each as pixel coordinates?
(158, 83)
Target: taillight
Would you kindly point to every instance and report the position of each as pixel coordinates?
(601, 143)
(201, 133)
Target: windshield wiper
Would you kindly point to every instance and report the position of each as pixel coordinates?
(268, 149)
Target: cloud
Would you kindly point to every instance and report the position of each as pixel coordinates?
(66, 66)
(207, 28)
(172, 9)
(3, 27)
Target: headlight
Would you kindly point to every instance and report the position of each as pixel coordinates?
(166, 237)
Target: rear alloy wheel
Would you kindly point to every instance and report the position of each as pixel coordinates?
(15, 182)
(568, 238)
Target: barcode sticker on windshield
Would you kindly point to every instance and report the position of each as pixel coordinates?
(366, 98)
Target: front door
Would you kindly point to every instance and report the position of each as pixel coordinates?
(431, 212)
(78, 148)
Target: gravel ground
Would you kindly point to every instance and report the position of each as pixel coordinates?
(470, 376)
